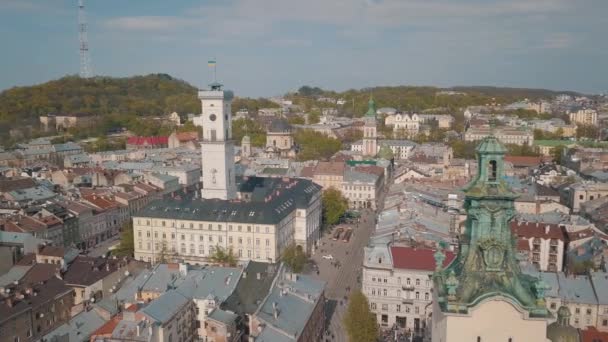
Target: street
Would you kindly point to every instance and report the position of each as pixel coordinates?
(349, 255)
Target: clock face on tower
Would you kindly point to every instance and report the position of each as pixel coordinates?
(212, 117)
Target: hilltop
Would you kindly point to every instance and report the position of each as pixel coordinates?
(152, 94)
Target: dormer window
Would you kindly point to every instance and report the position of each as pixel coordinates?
(492, 172)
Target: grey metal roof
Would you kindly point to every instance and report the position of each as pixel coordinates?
(218, 282)
(295, 300)
(576, 289)
(223, 316)
(15, 273)
(352, 175)
(271, 200)
(79, 328)
(165, 306)
(600, 284)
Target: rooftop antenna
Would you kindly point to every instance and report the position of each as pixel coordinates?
(85, 60)
(213, 64)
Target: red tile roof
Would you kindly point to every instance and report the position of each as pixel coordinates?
(591, 334)
(527, 161)
(417, 258)
(537, 230)
(186, 136)
(148, 141)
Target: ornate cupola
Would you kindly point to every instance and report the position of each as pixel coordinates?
(486, 265)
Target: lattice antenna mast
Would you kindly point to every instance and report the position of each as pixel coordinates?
(85, 61)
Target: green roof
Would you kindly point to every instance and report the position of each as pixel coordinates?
(553, 143)
(360, 162)
(371, 108)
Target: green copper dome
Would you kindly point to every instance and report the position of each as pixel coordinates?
(561, 330)
(371, 108)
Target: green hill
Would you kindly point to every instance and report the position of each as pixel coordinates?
(417, 98)
(140, 95)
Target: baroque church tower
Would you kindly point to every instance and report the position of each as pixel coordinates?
(370, 135)
(217, 147)
(483, 295)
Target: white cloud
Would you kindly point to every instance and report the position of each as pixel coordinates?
(150, 23)
(558, 41)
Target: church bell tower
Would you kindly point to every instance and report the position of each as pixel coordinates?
(217, 147)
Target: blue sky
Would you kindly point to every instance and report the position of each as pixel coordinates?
(267, 47)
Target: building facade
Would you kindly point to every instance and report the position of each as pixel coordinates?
(396, 281)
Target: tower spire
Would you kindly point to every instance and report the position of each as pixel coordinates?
(85, 60)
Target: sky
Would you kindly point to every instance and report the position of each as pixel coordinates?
(269, 47)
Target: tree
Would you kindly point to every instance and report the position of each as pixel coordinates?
(221, 257)
(127, 241)
(256, 132)
(587, 131)
(314, 117)
(188, 127)
(296, 120)
(463, 149)
(557, 152)
(360, 322)
(334, 206)
(314, 145)
(522, 150)
(294, 257)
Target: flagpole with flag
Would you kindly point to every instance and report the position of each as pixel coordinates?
(212, 64)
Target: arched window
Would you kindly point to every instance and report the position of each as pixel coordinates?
(478, 338)
(492, 171)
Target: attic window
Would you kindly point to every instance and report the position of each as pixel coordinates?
(233, 213)
(251, 213)
(492, 171)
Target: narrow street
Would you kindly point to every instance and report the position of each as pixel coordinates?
(349, 257)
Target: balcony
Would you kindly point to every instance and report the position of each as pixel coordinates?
(407, 301)
(407, 287)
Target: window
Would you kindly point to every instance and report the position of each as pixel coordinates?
(384, 307)
(257, 242)
(407, 309)
(249, 227)
(577, 311)
(147, 233)
(417, 282)
(155, 235)
(605, 322)
(210, 238)
(139, 233)
(588, 311)
(492, 171)
(219, 238)
(201, 249)
(229, 227)
(426, 296)
(267, 242)
(417, 295)
(416, 309)
(183, 248)
(230, 239)
(408, 281)
(478, 339)
(373, 305)
(398, 307)
(384, 292)
(183, 236)
(201, 238)
(373, 278)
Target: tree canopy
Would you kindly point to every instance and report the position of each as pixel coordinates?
(314, 145)
(252, 105)
(242, 127)
(222, 257)
(127, 241)
(360, 322)
(334, 206)
(294, 257)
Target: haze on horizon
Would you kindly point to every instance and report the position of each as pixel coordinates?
(268, 47)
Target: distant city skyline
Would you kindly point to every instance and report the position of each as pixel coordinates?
(268, 47)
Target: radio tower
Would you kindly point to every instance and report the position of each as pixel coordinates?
(85, 61)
